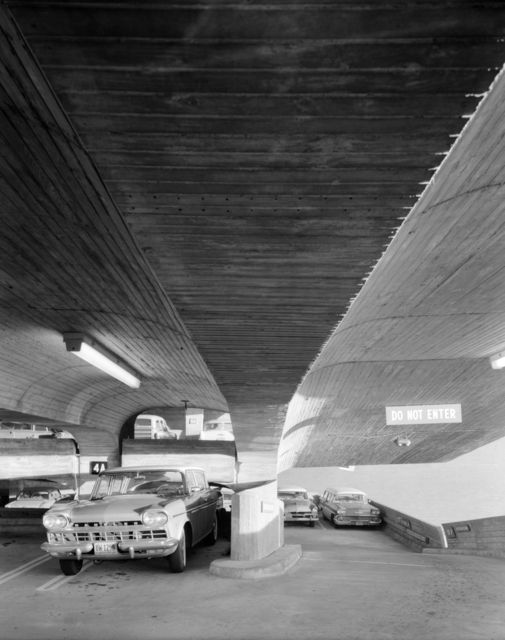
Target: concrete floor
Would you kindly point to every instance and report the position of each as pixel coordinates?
(350, 584)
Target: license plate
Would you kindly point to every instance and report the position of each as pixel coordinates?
(105, 547)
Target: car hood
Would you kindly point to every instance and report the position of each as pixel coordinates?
(28, 503)
(112, 508)
(297, 504)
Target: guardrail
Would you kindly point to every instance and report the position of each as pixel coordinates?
(412, 532)
(22, 522)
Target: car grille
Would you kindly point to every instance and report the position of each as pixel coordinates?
(299, 514)
(107, 532)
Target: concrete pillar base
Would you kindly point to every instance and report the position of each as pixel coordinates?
(274, 564)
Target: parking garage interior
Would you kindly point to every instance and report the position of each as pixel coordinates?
(287, 214)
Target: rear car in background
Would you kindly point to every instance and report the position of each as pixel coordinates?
(35, 498)
(227, 495)
(348, 507)
(298, 505)
(153, 427)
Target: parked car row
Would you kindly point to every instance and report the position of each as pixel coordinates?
(17, 430)
(145, 512)
(341, 507)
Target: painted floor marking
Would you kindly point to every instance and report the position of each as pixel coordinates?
(389, 564)
(10, 575)
(57, 581)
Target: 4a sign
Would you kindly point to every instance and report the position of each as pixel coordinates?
(424, 414)
(97, 466)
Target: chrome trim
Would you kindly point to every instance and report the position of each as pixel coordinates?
(146, 545)
(67, 549)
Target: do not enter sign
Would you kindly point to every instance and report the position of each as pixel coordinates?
(424, 414)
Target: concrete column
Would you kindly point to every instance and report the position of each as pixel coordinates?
(257, 523)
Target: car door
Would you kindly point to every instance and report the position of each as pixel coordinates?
(195, 505)
(328, 505)
(208, 501)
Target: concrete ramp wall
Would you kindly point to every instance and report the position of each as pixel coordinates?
(412, 532)
(484, 536)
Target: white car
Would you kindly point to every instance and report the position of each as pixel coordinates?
(35, 499)
(217, 434)
(135, 513)
(298, 505)
(227, 495)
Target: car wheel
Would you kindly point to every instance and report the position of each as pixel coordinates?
(211, 538)
(312, 523)
(70, 567)
(177, 560)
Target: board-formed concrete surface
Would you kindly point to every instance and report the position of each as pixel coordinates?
(350, 584)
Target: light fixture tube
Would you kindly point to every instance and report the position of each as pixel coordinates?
(498, 361)
(95, 355)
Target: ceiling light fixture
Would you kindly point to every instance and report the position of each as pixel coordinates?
(88, 350)
(498, 360)
(402, 441)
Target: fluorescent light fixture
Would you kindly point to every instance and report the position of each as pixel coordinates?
(498, 361)
(85, 348)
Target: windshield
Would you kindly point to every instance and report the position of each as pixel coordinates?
(293, 495)
(350, 497)
(136, 482)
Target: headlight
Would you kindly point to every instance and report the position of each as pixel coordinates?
(54, 521)
(375, 512)
(154, 518)
(314, 509)
(340, 512)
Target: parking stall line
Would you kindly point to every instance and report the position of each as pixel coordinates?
(57, 581)
(14, 573)
(389, 564)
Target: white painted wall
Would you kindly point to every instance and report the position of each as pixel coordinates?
(471, 486)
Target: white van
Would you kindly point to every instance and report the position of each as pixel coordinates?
(154, 427)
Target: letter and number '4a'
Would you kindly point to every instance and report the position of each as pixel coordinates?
(97, 466)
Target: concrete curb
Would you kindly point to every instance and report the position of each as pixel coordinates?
(466, 552)
(274, 564)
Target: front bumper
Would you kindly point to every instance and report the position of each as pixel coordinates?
(357, 522)
(129, 548)
(300, 517)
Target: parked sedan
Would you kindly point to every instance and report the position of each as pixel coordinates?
(348, 506)
(298, 505)
(135, 513)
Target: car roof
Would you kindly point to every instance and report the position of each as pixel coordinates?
(346, 490)
(292, 488)
(153, 468)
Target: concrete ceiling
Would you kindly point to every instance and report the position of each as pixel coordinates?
(204, 188)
